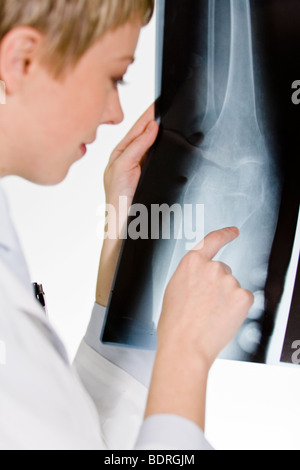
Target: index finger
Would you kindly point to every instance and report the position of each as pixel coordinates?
(215, 241)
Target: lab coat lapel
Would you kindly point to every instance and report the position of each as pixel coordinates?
(24, 301)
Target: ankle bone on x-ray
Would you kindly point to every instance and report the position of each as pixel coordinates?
(236, 174)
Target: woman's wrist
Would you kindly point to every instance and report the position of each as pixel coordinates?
(107, 267)
(178, 385)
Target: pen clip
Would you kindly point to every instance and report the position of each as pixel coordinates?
(40, 295)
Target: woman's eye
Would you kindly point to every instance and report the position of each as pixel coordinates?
(118, 82)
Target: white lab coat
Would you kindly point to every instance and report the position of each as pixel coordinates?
(46, 403)
(42, 402)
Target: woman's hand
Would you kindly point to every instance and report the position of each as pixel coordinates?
(124, 168)
(121, 178)
(204, 307)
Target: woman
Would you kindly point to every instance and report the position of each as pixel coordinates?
(61, 62)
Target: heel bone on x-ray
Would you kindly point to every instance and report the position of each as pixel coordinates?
(228, 143)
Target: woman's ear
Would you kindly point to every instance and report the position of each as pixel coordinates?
(18, 52)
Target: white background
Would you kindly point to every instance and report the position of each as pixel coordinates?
(249, 406)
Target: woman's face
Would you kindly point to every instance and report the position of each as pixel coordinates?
(48, 123)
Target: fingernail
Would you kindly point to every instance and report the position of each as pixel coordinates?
(235, 230)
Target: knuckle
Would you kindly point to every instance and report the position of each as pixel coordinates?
(193, 264)
(232, 283)
(191, 259)
(217, 269)
(250, 298)
(245, 298)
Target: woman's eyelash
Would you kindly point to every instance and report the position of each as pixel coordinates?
(118, 81)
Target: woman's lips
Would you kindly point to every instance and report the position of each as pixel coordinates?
(83, 149)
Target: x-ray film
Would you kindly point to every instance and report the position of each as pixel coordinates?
(228, 75)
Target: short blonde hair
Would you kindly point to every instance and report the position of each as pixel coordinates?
(70, 26)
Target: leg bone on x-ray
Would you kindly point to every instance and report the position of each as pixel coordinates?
(227, 143)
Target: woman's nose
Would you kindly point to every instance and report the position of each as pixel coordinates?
(114, 112)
